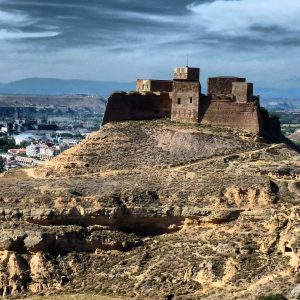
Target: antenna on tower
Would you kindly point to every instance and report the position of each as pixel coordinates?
(187, 60)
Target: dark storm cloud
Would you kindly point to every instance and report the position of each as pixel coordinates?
(107, 23)
(120, 24)
(78, 38)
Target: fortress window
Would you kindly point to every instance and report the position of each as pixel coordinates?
(191, 99)
(179, 101)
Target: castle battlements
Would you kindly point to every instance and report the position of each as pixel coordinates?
(229, 101)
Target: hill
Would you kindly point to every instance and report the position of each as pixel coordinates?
(52, 86)
(281, 104)
(155, 210)
(71, 101)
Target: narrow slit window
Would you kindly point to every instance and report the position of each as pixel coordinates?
(191, 99)
(179, 101)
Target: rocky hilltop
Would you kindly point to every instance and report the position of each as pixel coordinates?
(155, 210)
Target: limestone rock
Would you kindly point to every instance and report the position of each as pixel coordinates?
(295, 293)
(147, 209)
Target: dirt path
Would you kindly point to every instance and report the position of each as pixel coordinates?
(240, 154)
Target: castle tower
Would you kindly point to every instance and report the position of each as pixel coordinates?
(186, 95)
(229, 88)
(242, 92)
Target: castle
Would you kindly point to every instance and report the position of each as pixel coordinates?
(229, 102)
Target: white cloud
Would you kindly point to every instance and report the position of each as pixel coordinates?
(13, 23)
(13, 19)
(235, 18)
(18, 34)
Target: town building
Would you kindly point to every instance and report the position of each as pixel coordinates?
(21, 151)
(33, 150)
(46, 151)
(27, 161)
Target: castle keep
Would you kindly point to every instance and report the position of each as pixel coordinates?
(229, 102)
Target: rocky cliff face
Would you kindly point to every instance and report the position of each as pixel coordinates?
(153, 210)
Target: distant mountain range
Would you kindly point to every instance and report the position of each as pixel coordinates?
(275, 98)
(279, 99)
(280, 104)
(52, 86)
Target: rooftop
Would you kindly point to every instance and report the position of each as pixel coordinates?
(228, 77)
(155, 80)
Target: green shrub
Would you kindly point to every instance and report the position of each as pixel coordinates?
(75, 192)
(2, 163)
(266, 114)
(272, 297)
(274, 116)
(134, 93)
(264, 111)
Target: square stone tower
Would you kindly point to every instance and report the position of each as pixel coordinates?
(186, 95)
(242, 92)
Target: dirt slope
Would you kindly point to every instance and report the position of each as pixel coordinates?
(147, 210)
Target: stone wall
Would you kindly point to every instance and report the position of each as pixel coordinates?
(135, 106)
(161, 85)
(244, 116)
(148, 85)
(222, 85)
(185, 101)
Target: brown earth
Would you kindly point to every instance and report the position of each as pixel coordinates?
(295, 136)
(155, 210)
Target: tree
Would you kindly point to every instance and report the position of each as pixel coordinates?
(7, 143)
(2, 164)
(24, 144)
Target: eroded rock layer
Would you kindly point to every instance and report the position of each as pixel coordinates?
(148, 210)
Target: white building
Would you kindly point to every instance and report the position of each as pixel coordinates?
(28, 162)
(48, 152)
(45, 151)
(71, 142)
(4, 129)
(33, 150)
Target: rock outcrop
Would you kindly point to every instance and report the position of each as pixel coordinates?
(150, 210)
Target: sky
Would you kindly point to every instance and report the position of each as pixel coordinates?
(121, 40)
